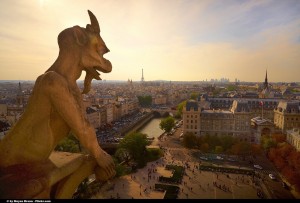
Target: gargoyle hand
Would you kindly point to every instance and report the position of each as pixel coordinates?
(106, 169)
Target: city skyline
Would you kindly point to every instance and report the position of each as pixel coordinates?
(169, 40)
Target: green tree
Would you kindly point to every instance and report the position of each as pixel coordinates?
(216, 92)
(179, 108)
(245, 147)
(206, 138)
(227, 141)
(194, 95)
(267, 142)
(145, 101)
(177, 115)
(189, 140)
(231, 87)
(219, 149)
(214, 141)
(167, 124)
(241, 148)
(135, 144)
(69, 144)
(122, 154)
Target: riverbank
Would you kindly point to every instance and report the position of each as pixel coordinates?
(138, 125)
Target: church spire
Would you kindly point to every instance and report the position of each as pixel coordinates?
(20, 96)
(20, 88)
(266, 85)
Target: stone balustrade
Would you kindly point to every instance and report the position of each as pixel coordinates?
(59, 180)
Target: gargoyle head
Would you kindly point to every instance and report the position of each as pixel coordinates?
(91, 47)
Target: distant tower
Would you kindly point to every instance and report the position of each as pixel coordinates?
(142, 75)
(266, 85)
(20, 96)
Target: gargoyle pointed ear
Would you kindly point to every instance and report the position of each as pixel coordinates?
(94, 22)
(80, 35)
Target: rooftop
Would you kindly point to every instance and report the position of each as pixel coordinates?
(191, 104)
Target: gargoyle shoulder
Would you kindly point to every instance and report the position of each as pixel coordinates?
(51, 80)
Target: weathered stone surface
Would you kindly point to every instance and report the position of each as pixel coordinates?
(54, 109)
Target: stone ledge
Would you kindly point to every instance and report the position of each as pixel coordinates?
(56, 178)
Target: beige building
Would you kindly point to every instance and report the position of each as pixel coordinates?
(293, 137)
(133, 105)
(102, 111)
(125, 107)
(117, 110)
(260, 126)
(287, 115)
(109, 113)
(159, 100)
(217, 122)
(191, 117)
(235, 121)
(242, 117)
(93, 116)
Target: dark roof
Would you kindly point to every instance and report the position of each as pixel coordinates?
(240, 106)
(287, 92)
(288, 107)
(191, 104)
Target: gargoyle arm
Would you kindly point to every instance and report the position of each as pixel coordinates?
(68, 108)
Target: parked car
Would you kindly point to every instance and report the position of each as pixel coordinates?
(272, 176)
(204, 158)
(219, 158)
(231, 159)
(257, 166)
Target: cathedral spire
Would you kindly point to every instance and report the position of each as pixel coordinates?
(20, 88)
(20, 96)
(266, 85)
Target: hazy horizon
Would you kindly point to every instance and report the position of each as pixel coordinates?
(165, 81)
(184, 40)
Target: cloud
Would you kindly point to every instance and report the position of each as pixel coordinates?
(172, 40)
(274, 49)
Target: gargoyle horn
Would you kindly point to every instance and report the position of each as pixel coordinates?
(94, 22)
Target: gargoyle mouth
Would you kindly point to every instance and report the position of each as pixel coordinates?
(92, 71)
(105, 67)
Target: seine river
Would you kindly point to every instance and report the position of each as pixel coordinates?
(152, 128)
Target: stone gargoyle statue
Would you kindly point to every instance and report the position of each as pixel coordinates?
(55, 107)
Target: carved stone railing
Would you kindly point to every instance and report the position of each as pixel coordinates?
(67, 171)
(71, 170)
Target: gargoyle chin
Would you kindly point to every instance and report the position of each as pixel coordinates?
(88, 81)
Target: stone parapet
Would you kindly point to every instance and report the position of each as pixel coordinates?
(58, 178)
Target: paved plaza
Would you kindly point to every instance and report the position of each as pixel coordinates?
(196, 184)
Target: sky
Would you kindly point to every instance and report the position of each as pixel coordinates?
(173, 40)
